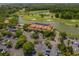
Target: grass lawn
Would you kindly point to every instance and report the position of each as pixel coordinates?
(37, 17)
(61, 25)
(73, 35)
(70, 22)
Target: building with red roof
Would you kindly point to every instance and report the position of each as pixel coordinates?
(39, 26)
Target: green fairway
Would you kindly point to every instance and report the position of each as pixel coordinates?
(36, 17)
(65, 25)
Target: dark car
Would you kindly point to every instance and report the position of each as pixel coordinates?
(33, 53)
(3, 50)
(47, 52)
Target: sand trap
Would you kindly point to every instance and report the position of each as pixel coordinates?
(49, 20)
(6, 21)
(73, 20)
(34, 19)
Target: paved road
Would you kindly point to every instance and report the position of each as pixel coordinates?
(40, 48)
(15, 52)
(28, 35)
(57, 37)
(2, 47)
(54, 49)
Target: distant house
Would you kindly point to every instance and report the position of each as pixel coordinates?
(39, 26)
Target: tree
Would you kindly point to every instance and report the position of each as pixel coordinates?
(42, 15)
(5, 32)
(5, 54)
(35, 35)
(18, 33)
(48, 44)
(35, 41)
(62, 48)
(68, 42)
(28, 48)
(63, 34)
(57, 15)
(76, 25)
(76, 15)
(65, 50)
(21, 40)
(25, 27)
(1, 24)
(9, 44)
(67, 15)
(14, 20)
(48, 33)
(52, 16)
(1, 37)
(70, 49)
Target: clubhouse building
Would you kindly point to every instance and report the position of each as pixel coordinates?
(39, 27)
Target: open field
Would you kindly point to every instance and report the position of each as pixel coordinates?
(67, 25)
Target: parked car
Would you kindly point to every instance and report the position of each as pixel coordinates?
(47, 53)
(33, 53)
(3, 50)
